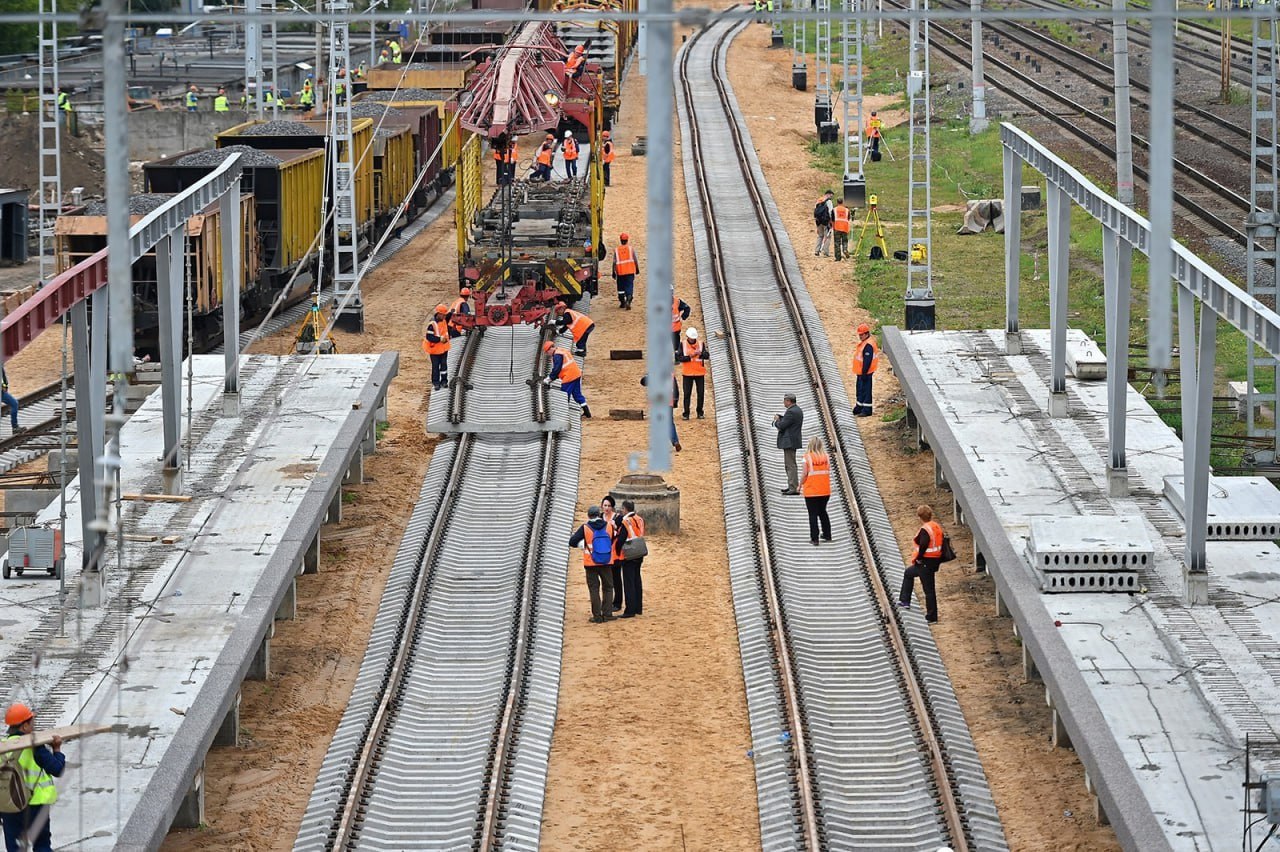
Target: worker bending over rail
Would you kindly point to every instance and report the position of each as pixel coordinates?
(566, 369)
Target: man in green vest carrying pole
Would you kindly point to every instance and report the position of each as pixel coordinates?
(36, 769)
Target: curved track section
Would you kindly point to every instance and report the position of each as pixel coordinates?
(859, 742)
(445, 742)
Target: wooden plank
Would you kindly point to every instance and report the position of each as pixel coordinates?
(141, 539)
(40, 738)
(157, 498)
(626, 354)
(626, 413)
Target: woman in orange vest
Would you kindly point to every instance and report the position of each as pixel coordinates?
(578, 325)
(841, 222)
(626, 266)
(693, 367)
(613, 519)
(631, 526)
(815, 485)
(925, 565)
(570, 153)
(564, 368)
(546, 153)
(866, 357)
(435, 342)
(606, 156)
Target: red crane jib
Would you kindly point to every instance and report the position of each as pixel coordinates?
(525, 89)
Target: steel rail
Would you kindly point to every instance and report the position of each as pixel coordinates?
(945, 783)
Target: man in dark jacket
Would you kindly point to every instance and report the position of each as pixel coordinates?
(39, 766)
(788, 425)
(597, 544)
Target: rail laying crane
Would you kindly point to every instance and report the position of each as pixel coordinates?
(535, 242)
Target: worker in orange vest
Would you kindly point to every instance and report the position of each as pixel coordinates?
(873, 133)
(577, 324)
(542, 163)
(693, 367)
(570, 152)
(460, 308)
(435, 342)
(631, 528)
(505, 157)
(596, 541)
(626, 266)
(928, 560)
(841, 222)
(575, 63)
(566, 369)
(866, 358)
(815, 485)
(679, 313)
(606, 156)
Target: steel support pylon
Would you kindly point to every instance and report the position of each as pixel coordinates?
(1260, 225)
(855, 184)
(348, 304)
(799, 31)
(253, 56)
(823, 110)
(51, 118)
(919, 191)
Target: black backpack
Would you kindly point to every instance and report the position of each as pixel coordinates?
(822, 213)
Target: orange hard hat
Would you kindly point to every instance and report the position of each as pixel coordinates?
(864, 329)
(466, 291)
(606, 134)
(442, 309)
(17, 714)
(623, 237)
(548, 346)
(579, 49)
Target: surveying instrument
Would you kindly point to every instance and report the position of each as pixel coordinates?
(311, 338)
(884, 145)
(879, 251)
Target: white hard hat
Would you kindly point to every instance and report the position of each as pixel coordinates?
(692, 334)
(568, 133)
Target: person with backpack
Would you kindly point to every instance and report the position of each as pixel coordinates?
(822, 212)
(613, 521)
(597, 559)
(632, 546)
(929, 548)
(27, 789)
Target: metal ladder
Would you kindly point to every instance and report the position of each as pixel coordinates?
(50, 137)
(919, 192)
(822, 105)
(851, 100)
(1260, 224)
(799, 30)
(348, 304)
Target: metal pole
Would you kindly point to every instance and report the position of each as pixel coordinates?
(1160, 197)
(170, 257)
(642, 40)
(799, 30)
(913, 35)
(978, 122)
(275, 65)
(1012, 249)
(1059, 221)
(253, 54)
(660, 360)
(1124, 134)
(229, 210)
(86, 418)
(1117, 265)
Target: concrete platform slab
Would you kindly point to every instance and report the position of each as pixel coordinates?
(1156, 697)
(181, 624)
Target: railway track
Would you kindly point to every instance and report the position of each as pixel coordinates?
(40, 415)
(445, 741)
(858, 741)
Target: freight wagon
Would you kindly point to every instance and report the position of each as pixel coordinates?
(447, 126)
(424, 128)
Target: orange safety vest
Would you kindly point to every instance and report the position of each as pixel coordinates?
(588, 536)
(873, 128)
(575, 59)
(695, 366)
(818, 482)
(934, 550)
(441, 329)
(571, 148)
(634, 524)
(455, 310)
(578, 324)
(624, 260)
(545, 153)
(858, 356)
(607, 151)
(675, 313)
(842, 219)
(569, 369)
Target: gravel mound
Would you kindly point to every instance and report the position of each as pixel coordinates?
(374, 111)
(215, 156)
(138, 204)
(280, 128)
(411, 94)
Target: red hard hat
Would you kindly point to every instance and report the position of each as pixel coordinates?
(623, 237)
(466, 291)
(17, 714)
(864, 329)
(548, 346)
(606, 134)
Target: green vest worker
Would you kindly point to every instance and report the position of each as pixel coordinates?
(220, 102)
(64, 101)
(191, 99)
(39, 766)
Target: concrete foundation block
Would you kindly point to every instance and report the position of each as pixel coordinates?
(1195, 587)
(260, 668)
(939, 477)
(1057, 404)
(1013, 343)
(913, 422)
(172, 480)
(1029, 670)
(289, 605)
(1002, 608)
(311, 557)
(334, 514)
(1100, 813)
(191, 811)
(231, 405)
(55, 462)
(355, 471)
(370, 443)
(1061, 739)
(229, 732)
(656, 501)
(1117, 481)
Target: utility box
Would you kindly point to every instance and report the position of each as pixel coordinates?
(855, 192)
(915, 83)
(799, 77)
(920, 314)
(34, 549)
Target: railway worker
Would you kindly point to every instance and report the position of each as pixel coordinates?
(460, 308)
(680, 312)
(575, 63)
(606, 156)
(579, 325)
(9, 400)
(631, 529)
(397, 55)
(788, 424)
(597, 556)
(362, 70)
(608, 511)
(626, 266)
(307, 97)
(37, 767)
(513, 158)
(570, 153)
(64, 106)
(866, 358)
(823, 212)
(502, 161)
(542, 163)
(339, 87)
(192, 100)
(928, 560)
(566, 369)
(675, 400)
(815, 485)
(384, 56)
(435, 342)
(874, 124)
(841, 222)
(269, 95)
(693, 367)
(220, 102)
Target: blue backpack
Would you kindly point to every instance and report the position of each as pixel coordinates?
(601, 546)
